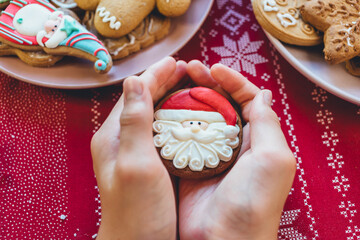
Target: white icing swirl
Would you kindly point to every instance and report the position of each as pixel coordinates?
(105, 15)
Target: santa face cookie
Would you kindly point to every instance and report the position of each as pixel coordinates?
(198, 133)
(282, 19)
(36, 25)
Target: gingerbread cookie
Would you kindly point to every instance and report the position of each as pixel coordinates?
(340, 22)
(198, 133)
(283, 20)
(153, 28)
(32, 58)
(89, 5)
(172, 8)
(34, 25)
(115, 19)
(353, 66)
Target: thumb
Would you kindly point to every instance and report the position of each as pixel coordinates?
(137, 116)
(265, 130)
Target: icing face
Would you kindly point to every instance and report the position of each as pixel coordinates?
(194, 143)
(51, 26)
(25, 23)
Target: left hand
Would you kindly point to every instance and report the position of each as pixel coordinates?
(137, 196)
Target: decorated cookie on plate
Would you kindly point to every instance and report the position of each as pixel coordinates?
(198, 133)
(117, 18)
(33, 25)
(283, 20)
(340, 22)
(153, 28)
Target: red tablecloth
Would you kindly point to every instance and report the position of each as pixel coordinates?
(47, 186)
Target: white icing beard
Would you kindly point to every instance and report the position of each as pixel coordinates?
(196, 150)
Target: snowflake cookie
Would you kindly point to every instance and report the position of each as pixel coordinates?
(282, 19)
(340, 22)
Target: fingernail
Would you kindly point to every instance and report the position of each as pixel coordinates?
(133, 88)
(267, 95)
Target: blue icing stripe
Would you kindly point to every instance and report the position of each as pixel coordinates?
(87, 45)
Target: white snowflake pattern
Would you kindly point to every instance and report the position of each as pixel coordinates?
(287, 231)
(240, 55)
(221, 3)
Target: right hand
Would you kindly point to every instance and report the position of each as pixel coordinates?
(246, 202)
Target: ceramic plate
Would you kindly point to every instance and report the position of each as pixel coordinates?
(310, 62)
(73, 73)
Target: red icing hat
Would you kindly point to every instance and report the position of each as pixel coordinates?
(202, 99)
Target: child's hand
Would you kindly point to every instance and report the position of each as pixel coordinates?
(247, 201)
(137, 197)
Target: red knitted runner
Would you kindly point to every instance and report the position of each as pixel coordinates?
(47, 186)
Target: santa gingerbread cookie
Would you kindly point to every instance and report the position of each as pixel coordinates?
(33, 25)
(198, 133)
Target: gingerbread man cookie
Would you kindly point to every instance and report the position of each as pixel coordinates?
(198, 133)
(340, 22)
(282, 19)
(34, 25)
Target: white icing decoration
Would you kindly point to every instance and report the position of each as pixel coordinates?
(286, 19)
(194, 149)
(348, 38)
(105, 15)
(270, 5)
(33, 18)
(183, 115)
